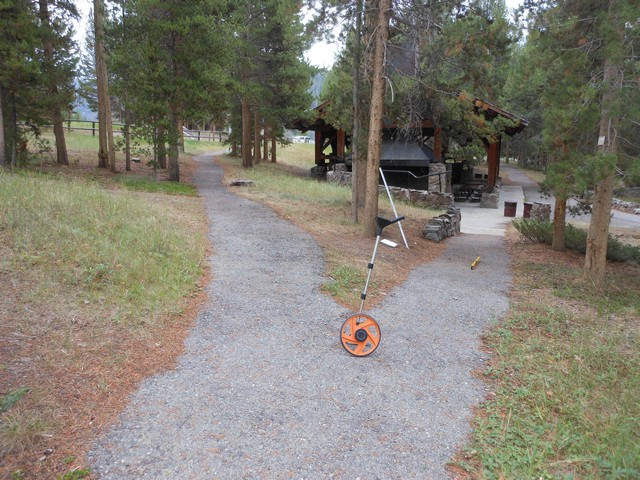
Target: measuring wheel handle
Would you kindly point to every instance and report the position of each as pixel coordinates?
(360, 335)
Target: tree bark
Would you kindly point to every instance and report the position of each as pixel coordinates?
(58, 131)
(374, 143)
(127, 142)
(105, 132)
(3, 153)
(273, 149)
(180, 134)
(174, 144)
(598, 236)
(559, 223)
(256, 137)
(246, 134)
(265, 145)
(56, 114)
(358, 167)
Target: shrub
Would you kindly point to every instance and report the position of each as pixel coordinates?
(575, 239)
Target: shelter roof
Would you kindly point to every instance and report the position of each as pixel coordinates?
(491, 111)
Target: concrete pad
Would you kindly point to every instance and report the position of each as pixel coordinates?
(491, 221)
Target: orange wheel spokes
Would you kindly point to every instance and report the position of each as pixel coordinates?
(360, 335)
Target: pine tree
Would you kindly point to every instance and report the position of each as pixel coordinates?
(374, 143)
(58, 65)
(274, 78)
(36, 70)
(171, 63)
(106, 152)
(19, 70)
(588, 48)
(86, 72)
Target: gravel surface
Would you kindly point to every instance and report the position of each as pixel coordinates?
(265, 390)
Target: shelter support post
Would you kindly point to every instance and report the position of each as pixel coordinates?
(493, 163)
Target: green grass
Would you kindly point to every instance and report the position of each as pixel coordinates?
(116, 248)
(275, 183)
(11, 398)
(20, 431)
(575, 239)
(195, 147)
(567, 383)
(83, 141)
(300, 155)
(144, 184)
(345, 283)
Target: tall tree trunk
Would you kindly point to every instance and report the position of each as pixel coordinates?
(127, 115)
(127, 141)
(598, 236)
(101, 84)
(110, 141)
(246, 134)
(3, 153)
(15, 133)
(162, 147)
(58, 131)
(56, 114)
(174, 144)
(265, 144)
(358, 166)
(181, 137)
(374, 144)
(559, 223)
(273, 149)
(256, 137)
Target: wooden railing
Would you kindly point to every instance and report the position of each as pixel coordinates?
(92, 126)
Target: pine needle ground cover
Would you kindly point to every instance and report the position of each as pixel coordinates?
(565, 375)
(93, 281)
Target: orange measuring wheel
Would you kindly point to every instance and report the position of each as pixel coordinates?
(360, 334)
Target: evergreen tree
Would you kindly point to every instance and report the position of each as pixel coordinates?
(58, 62)
(106, 152)
(19, 71)
(273, 78)
(86, 72)
(587, 48)
(171, 62)
(36, 70)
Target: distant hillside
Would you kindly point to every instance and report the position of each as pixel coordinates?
(84, 112)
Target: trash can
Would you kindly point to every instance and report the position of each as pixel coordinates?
(527, 209)
(510, 209)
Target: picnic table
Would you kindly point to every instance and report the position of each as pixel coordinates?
(469, 190)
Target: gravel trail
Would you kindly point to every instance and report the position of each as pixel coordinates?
(265, 390)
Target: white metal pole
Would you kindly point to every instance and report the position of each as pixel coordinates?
(384, 180)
